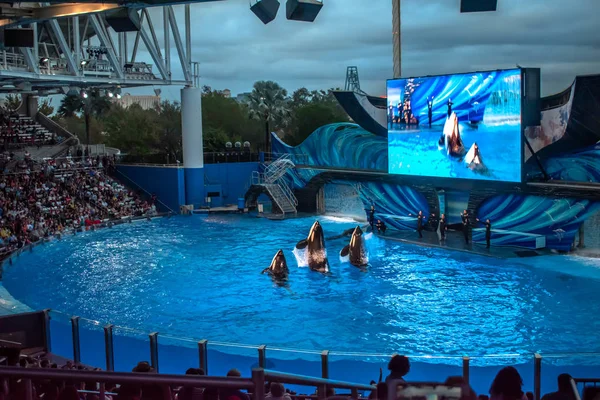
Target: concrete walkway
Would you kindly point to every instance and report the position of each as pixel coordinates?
(456, 241)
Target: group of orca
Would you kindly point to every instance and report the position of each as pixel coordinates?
(316, 254)
(451, 142)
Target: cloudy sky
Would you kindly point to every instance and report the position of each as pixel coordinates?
(235, 49)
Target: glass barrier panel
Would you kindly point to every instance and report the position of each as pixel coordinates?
(357, 367)
(292, 361)
(130, 346)
(91, 339)
(483, 370)
(224, 356)
(176, 355)
(61, 338)
(578, 365)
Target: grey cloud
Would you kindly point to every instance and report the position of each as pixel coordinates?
(235, 48)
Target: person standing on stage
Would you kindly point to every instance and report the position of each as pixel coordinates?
(430, 110)
(442, 228)
(488, 232)
(450, 107)
(372, 216)
(420, 218)
(465, 222)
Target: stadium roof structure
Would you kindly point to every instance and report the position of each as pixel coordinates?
(65, 45)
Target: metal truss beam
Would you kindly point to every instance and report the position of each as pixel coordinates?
(183, 58)
(60, 38)
(136, 43)
(104, 41)
(154, 54)
(32, 62)
(153, 32)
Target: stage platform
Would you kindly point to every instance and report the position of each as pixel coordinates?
(455, 241)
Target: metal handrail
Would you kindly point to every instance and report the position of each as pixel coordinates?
(51, 125)
(574, 388)
(304, 380)
(144, 190)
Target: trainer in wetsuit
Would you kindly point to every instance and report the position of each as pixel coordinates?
(430, 110)
(443, 227)
(488, 232)
(465, 222)
(450, 107)
(420, 218)
(372, 216)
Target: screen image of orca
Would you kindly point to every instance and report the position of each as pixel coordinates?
(456, 126)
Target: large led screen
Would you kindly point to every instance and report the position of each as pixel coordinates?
(456, 126)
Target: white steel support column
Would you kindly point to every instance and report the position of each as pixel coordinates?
(193, 151)
(191, 126)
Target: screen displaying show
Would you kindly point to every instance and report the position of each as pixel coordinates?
(456, 126)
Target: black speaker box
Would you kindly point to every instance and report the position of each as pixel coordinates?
(303, 10)
(266, 10)
(123, 20)
(18, 38)
(469, 6)
(531, 94)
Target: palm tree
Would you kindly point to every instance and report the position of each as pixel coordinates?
(269, 102)
(93, 103)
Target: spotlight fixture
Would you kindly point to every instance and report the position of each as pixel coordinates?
(43, 60)
(83, 62)
(265, 10)
(109, 93)
(83, 94)
(118, 96)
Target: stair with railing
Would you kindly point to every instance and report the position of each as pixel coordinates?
(272, 181)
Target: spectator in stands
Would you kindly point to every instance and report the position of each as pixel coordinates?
(69, 393)
(152, 392)
(529, 395)
(277, 392)
(191, 393)
(228, 394)
(398, 366)
(507, 385)
(565, 391)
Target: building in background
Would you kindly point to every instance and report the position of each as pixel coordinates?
(243, 97)
(226, 93)
(146, 102)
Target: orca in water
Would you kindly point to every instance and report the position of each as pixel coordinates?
(356, 249)
(451, 140)
(473, 160)
(278, 268)
(315, 249)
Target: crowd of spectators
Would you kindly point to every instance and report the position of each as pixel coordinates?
(55, 196)
(507, 385)
(16, 129)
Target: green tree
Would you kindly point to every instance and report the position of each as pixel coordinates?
(132, 129)
(169, 131)
(45, 107)
(269, 103)
(214, 139)
(94, 105)
(12, 102)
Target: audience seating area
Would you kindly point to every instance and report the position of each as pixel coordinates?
(17, 131)
(26, 377)
(52, 197)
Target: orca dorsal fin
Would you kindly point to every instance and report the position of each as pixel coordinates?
(302, 244)
(345, 251)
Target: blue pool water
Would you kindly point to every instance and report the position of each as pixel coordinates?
(200, 278)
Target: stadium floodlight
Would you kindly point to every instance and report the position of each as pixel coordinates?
(83, 62)
(118, 95)
(109, 93)
(83, 94)
(265, 10)
(43, 60)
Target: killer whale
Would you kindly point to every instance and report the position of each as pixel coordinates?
(278, 268)
(450, 140)
(316, 254)
(356, 249)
